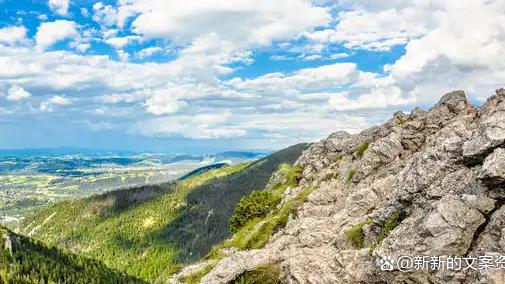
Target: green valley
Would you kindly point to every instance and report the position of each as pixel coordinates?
(152, 231)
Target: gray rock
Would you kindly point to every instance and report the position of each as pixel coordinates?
(425, 169)
(493, 170)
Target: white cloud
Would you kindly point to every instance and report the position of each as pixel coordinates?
(17, 93)
(42, 17)
(48, 105)
(149, 51)
(379, 98)
(60, 7)
(13, 34)
(60, 101)
(303, 80)
(51, 32)
(461, 48)
(82, 47)
(108, 15)
(377, 30)
(159, 105)
(201, 126)
(84, 12)
(120, 42)
(338, 55)
(123, 55)
(260, 21)
(449, 44)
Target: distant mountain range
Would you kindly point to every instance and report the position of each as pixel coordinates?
(60, 151)
(78, 162)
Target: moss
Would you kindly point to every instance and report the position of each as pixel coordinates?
(355, 235)
(360, 150)
(197, 276)
(338, 157)
(350, 175)
(265, 274)
(389, 225)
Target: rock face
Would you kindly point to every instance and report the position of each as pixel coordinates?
(429, 184)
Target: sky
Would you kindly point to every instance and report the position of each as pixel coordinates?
(159, 75)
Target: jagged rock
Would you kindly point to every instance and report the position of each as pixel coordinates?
(433, 178)
(489, 132)
(493, 169)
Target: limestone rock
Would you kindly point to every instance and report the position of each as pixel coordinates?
(493, 169)
(430, 183)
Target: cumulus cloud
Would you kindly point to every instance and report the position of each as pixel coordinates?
(149, 51)
(12, 35)
(460, 49)
(303, 80)
(17, 93)
(260, 21)
(120, 42)
(50, 33)
(60, 7)
(48, 105)
(378, 30)
(201, 126)
(448, 45)
(108, 15)
(163, 103)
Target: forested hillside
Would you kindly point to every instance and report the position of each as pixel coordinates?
(23, 260)
(151, 231)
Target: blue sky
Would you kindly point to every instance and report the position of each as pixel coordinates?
(163, 75)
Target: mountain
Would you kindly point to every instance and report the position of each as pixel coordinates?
(404, 202)
(152, 231)
(23, 260)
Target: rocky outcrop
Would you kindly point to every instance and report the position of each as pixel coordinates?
(428, 184)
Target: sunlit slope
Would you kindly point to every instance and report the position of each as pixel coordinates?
(23, 260)
(150, 231)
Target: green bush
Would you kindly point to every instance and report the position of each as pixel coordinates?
(400, 120)
(355, 235)
(338, 157)
(256, 233)
(361, 149)
(265, 274)
(293, 176)
(258, 204)
(389, 225)
(350, 175)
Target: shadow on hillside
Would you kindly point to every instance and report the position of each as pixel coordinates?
(111, 203)
(203, 222)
